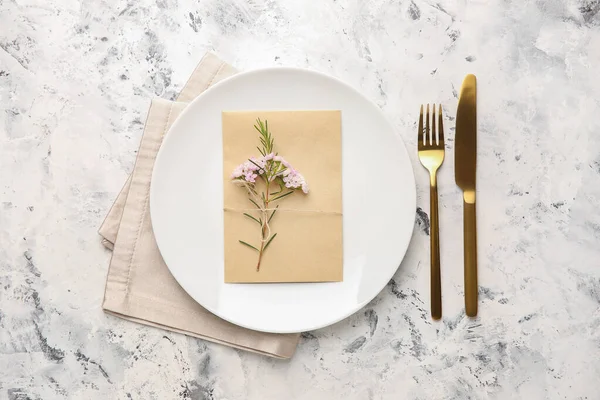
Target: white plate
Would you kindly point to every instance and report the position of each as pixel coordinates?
(186, 202)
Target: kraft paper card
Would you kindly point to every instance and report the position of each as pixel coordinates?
(290, 231)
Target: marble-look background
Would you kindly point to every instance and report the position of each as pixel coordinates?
(76, 78)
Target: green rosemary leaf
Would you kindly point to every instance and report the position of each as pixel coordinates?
(274, 193)
(251, 217)
(283, 195)
(269, 241)
(261, 152)
(249, 245)
(271, 217)
(253, 202)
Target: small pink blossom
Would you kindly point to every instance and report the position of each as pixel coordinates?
(237, 172)
(294, 180)
(245, 171)
(305, 188)
(250, 177)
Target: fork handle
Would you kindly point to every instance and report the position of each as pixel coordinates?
(470, 250)
(434, 236)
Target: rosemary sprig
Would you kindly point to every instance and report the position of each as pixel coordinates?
(274, 170)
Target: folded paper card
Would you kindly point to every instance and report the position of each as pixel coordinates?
(282, 174)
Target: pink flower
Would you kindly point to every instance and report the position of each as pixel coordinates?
(237, 172)
(294, 180)
(246, 171)
(251, 169)
(250, 177)
(305, 188)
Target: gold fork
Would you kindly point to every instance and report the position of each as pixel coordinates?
(431, 154)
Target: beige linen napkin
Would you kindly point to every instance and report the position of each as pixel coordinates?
(139, 286)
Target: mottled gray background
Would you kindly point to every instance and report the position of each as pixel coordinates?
(76, 78)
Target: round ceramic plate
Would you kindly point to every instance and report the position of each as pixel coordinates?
(186, 202)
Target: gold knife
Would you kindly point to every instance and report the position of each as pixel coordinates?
(465, 153)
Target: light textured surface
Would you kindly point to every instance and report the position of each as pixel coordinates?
(75, 83)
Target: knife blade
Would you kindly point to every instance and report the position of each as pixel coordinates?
(465, 162)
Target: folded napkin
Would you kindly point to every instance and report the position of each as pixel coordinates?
(139, 286)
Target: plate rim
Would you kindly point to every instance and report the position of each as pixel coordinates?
(243, 75)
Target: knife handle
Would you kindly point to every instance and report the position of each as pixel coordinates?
(436, 282)
(470, 253)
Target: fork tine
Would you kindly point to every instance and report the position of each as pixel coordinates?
(433, 133)
(427, 133)
(421, 139)
(441, 126)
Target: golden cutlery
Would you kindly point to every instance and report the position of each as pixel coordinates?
(465, 160)
(431, 154)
